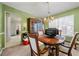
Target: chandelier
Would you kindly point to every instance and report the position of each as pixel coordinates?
(49, 17)
(48, 11)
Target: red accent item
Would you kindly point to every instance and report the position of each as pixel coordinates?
(25, 42)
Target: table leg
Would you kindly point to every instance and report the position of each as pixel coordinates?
(50, 51)
(57, 50)
(49, 48)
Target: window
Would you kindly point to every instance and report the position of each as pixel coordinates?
(66, 24)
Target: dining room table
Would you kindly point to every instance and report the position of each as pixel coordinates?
(52, 42)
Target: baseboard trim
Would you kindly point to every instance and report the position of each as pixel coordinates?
(1, 51)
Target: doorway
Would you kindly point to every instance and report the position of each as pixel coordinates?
(12, 24)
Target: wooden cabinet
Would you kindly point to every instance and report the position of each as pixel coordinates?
(34, 25)
(30, 23)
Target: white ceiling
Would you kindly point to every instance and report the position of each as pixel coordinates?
(40, 9)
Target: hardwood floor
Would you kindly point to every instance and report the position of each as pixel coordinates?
(19, 50)
(22, 50)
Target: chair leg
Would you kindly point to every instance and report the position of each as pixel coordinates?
(32, 53)
(49, 51)
(53, 52)
(69, 54)
(75, 46)
(57, 50)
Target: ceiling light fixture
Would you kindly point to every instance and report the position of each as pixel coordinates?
(49, 17)
(48, 9)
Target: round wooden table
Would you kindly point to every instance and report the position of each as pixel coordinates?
(51, 42)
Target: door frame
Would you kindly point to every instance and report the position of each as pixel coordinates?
(5, 27)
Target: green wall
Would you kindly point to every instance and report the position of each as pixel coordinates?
(23, 16)
(1, 21)
(1, 25)
(75, 12)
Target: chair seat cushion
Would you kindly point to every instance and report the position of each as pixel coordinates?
(62, 48)
(77, 42)
(65, 47)
(33, 43)
(41, 45)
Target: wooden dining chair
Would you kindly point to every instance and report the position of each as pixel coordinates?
(77, 42)
(35, 45)
(68, 49)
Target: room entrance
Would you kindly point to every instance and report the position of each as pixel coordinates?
(12, 29)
